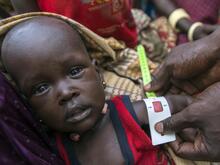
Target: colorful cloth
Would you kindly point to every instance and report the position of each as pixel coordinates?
(114, 17)
(135, 145)
(22, 139)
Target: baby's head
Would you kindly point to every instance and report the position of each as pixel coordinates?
(50, 64)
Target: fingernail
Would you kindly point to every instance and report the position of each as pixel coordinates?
(159, 128)
(147, 87)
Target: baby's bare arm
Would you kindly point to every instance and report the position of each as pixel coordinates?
(176, 103)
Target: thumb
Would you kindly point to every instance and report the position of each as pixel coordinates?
(160, 80)
(175, 123)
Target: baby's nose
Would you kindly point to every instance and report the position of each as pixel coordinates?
(67, 92)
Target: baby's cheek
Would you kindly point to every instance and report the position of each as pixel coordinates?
(53, 118)
(46, 111)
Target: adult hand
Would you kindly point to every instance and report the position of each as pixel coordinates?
(186, 62)
(199, 83)
(203, 113)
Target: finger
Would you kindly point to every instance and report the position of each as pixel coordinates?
(177, 122)
(173, 90)
(188, 134)
(178, 102)
(199, 83)
(190, 150)
(185, 86)
(160, 80)
(164, 89)
(208, 78)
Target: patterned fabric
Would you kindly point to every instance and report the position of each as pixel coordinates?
(157, 37)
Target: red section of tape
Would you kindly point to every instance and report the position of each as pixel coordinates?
(157, 106)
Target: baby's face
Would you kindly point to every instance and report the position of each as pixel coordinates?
(61, 83)
(64, 89)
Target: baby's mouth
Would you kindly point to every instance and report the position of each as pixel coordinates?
(77, 113)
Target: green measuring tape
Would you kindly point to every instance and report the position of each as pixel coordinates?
(145, 69)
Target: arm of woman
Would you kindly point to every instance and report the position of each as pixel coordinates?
(166, 7)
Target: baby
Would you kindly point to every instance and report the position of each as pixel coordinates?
(51, 66)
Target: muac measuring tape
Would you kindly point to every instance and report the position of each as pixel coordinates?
(145, 71)
(157, 107)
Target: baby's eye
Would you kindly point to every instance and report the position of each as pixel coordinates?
(40, 89)
(76, 71)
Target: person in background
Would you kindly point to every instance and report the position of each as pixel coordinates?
(193, 19)
(104, 17)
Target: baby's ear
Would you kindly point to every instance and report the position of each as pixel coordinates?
(94, 62)
(99, 72)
